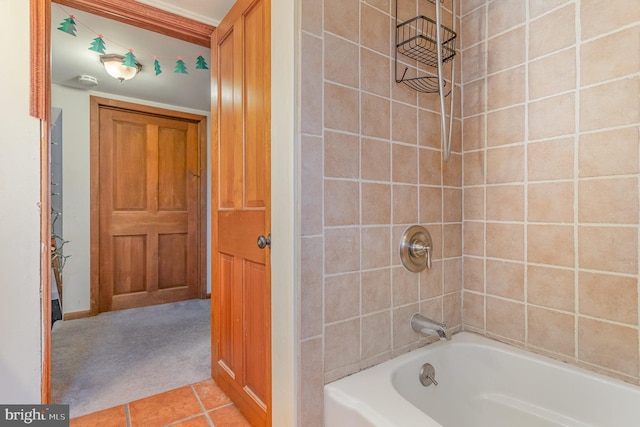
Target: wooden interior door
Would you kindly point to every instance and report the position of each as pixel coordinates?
(149, 209)
(241, 336)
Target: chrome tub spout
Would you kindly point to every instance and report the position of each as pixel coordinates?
(424, 326)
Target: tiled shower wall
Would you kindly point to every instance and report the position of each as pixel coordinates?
(551, 116)
(370, 167)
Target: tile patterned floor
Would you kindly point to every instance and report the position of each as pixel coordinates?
(199, 405)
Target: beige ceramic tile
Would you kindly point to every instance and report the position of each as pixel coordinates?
(452, 309)
(551, 244)
(506, 126)
(505, 318)
(341, 108)
(474, 98)
(506, 50)
(610, 104)
(430, 169)
(597, 17)
(452, 270)
(474, 203)
(404, 286)
(468, 6)
(374, 72)
(341, 202)
(376, 203)
(404, 160)
(552, 74)
(311, 16)
(608, 201)
(474, 242)
(341, 61)
(405, 204)
(473, 310)
(604, 59)
(430, 204)
(551, 287)
(505, 241)
(375, 116)
(542, 40)
(608, 345)
(452, 240)
(341, 297)
(506, 88)
(373, 31)
(429, 129)
(311, 85)
(341, 153)
(538, 7)
(432, 309)
(551, 330)
(474, 168)
(376, 159)
(311, 382)
(505, 165)
(550, 202)
(505, 279)
(341, 18)
(552, 117)
(311, 300)
(473, 274)
(311, 181)
(474, 28)
(383, 5)
(550, 160)
(473, 133)
(431, 281)
(613, 152)
(505, 203)
(452, 204)
(342, 250)
(605, 248)
(452, 170)
(504, 14)
(341, 344)
(376, 290)
(474, 63)
(609, 297)
(403, 123)
(376, 334)
(376, 243)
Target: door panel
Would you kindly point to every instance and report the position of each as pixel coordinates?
(241, 338)
(149, 209)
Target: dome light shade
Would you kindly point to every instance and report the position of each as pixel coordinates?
(114, 66)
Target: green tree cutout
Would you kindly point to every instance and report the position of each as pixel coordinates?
(156, 66)
(181, 68)
(98, 45)
(130, 59)
(68, 25)
(201, 63)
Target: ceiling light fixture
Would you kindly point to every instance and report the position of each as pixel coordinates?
(114, 66)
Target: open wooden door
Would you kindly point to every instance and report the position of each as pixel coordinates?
(241, 332)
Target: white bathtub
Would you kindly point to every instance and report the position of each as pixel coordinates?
(481, 383)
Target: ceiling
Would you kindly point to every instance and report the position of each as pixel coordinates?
(71, 57)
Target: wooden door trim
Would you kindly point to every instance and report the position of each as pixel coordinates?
(146, 17)
(96, 103)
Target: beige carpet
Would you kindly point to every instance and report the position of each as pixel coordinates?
(117, 357)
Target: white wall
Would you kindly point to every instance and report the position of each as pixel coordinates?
(76, 187)
(20, 317)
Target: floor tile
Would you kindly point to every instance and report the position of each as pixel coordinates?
(164, 408)
(112, 417)
(194, 422)
(211, 395)
(229, 416)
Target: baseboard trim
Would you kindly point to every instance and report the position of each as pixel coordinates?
(77, 315)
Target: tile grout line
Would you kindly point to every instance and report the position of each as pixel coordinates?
(127, 415)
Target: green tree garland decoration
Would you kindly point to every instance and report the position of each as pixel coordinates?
(201, 63)
(156, 65)
(98, 45)
(68, 25)
(130, 59)
(181, 68)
